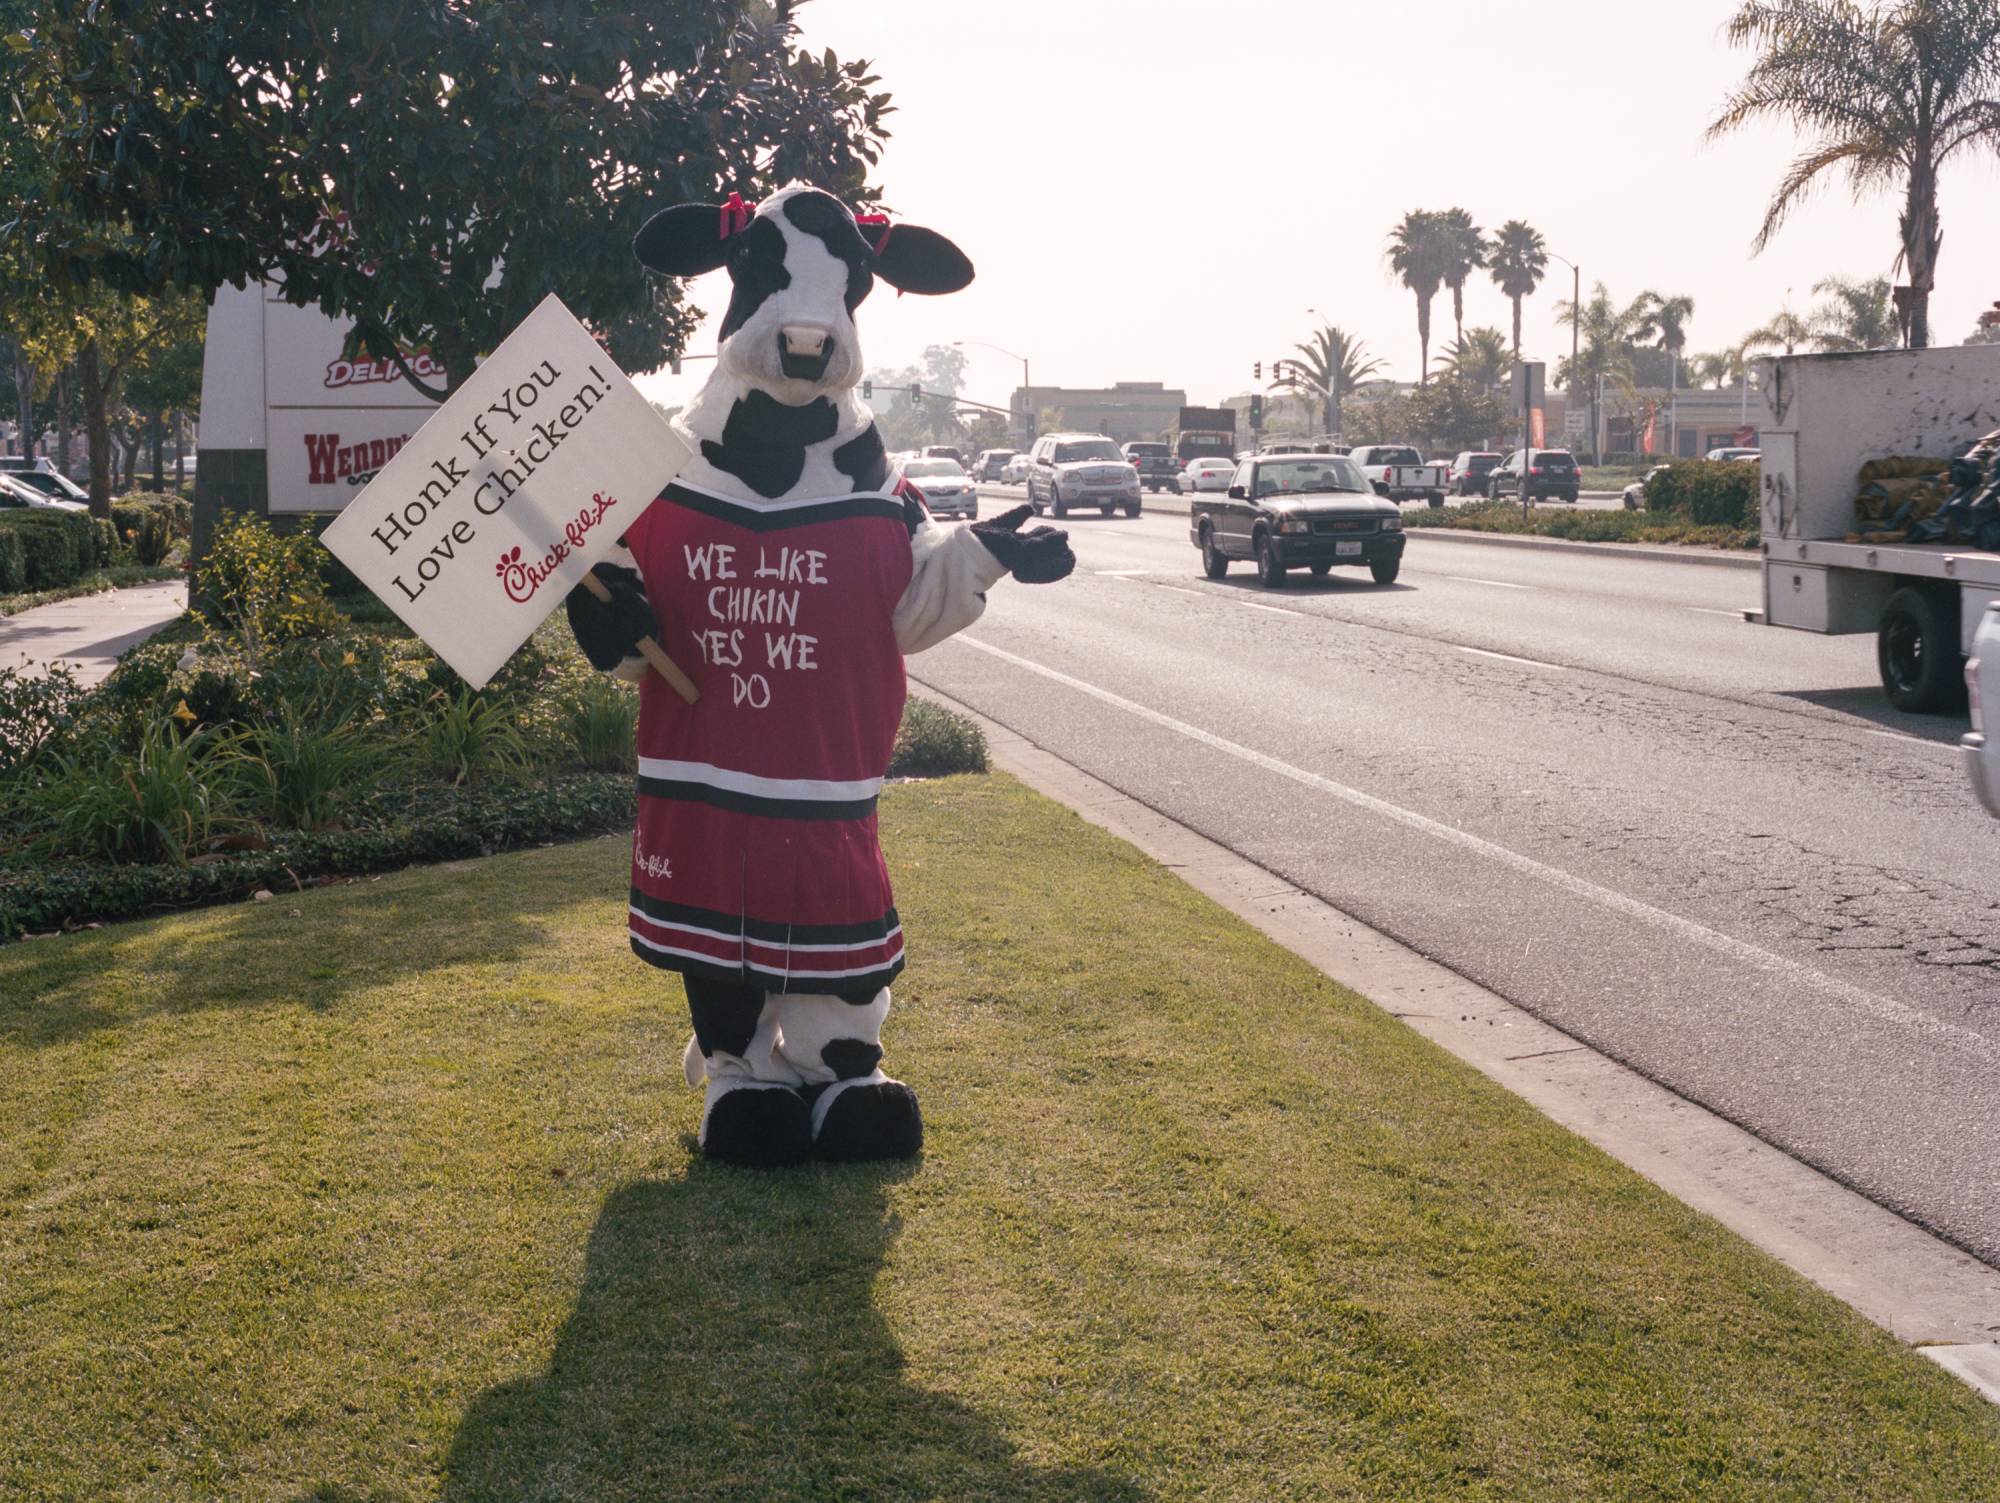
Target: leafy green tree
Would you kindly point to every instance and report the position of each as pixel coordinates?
(1451, 413)
(1462, 249)
(430, 168)
(1330, 366)
(1888, 93)
(1664, 320)
(1855, 315)
(165, 383)
(1417, 256)
(1517, 260)
(1478, 357)
(1786, 331)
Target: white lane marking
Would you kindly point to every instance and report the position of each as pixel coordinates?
(1508, 657)
(1498, 584)
(1709, 610)
(1198, 594)
(1883, 1008)
(1915, 741)
(1276, 610)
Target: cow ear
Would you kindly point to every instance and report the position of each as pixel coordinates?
(683, 241)
(914, 259)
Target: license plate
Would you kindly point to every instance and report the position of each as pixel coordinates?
(1347, 550)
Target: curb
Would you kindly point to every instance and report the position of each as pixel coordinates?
(1709, 558)
(1931, 1296)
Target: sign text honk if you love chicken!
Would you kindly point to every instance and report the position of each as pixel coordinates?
(498, 506)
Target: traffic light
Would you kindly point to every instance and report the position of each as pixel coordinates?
(1256, 370)
(867, 389)
(916, 394)
(1256, 410)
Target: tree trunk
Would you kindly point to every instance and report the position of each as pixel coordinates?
(156, 431)
(1922, 239)
(99, 430)
(1517, 328)
(180, 455)
(24, 387)
(62, 419)
(1424, 339)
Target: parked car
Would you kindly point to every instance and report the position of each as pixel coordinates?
(1396, 471)
(1080, 469)
(9, 463)
(1015, 472)
(944, 451)
(56, 486)
(1466, 474)
(948, 490)
(1635, 493)
(1551, 475)
(1979, 748)
(1207, 474)
(14, 493)
(991, 464)
(1284, 511)
(1158, 468)
(1727, 455)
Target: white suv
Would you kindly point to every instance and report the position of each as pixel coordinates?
(1081, 469)
(1980, 746)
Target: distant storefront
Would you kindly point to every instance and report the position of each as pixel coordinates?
(1125, 411)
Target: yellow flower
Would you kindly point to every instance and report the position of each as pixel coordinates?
(182, 713)
(348, 660)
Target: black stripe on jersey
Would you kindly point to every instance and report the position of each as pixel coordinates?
(770, 981)
(840, 509)
(765, 931)
(751, 803)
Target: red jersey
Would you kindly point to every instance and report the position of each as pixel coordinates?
(756, 858)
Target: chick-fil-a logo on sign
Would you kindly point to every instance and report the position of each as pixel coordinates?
(520, 577)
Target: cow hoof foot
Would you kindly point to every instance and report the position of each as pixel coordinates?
(755, 1126)
(858, 1120)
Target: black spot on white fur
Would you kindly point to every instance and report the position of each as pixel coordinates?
(756, 272)
(850, 1059)
(862, 460)
(764, 442)
(826, 218)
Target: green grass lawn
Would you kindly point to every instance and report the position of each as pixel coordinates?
(388, 1192)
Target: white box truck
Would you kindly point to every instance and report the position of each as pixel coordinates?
(1824, 417)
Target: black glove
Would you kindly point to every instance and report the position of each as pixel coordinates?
(608, 631)
(1041, 555)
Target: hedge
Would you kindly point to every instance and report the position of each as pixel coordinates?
(129, 511)
(1707, 492)
(13, 563)
(58, 547)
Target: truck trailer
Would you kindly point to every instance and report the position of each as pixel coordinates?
(1825, 416)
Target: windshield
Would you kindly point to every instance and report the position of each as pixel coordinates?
(1089, 448)
(1394, 456)
(1555, 457)
(1290, 477)
(932, 467)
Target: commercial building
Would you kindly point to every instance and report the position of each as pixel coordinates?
(1124, 411)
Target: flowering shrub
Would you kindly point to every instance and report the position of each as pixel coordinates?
(266, 585)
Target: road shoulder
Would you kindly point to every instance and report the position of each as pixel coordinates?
(1929, 1294)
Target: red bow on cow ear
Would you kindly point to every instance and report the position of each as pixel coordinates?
(911, 258)
(689, 239)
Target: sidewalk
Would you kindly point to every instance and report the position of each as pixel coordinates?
(89, 633)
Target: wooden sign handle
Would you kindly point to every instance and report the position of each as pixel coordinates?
(653, 653)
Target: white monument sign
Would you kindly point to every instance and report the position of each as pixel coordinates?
(501, 502)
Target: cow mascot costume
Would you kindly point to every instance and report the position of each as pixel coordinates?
(789, 579)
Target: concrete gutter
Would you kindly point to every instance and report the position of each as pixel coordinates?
(1930, 1295)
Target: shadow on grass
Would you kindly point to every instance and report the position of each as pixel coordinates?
(307, 950)
(726, 1344)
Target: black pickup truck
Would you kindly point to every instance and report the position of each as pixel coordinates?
(1158, 468)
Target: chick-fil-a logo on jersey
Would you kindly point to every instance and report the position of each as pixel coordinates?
(520, 577)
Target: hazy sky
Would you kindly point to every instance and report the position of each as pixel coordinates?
(1160, 189)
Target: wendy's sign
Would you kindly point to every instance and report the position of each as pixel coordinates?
(496, 508)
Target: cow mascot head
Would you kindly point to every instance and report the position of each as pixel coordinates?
(791, 579)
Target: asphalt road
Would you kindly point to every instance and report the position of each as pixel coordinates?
(1709, 849)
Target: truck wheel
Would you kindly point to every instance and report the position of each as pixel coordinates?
(1436, 498)
(1270, 571)
(1131, 508)
(1916, 649)
(1107, 510)
(1058, 508)
(1385, 570)
(1213, 564)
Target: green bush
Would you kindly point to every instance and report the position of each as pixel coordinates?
(934, 742)
(13, 563)
(1708, 493)
(58, 547)
(132, 510)
(467, 738)
(266, 585)
(302, 775)
(598, 723)
(36, 711)
(158, 803)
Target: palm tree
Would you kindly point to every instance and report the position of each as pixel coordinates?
(1786, 331)
(1333, 366)
(1478, 357)
(1889, 92)
(1518, 260)
(1666, 319)
(1416, 254)
(1857, 315)
(1605, 333)
(1462, 248)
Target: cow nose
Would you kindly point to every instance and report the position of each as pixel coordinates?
(805, 339)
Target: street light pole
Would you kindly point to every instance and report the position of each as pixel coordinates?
(1575, 317)
(1026, 385)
